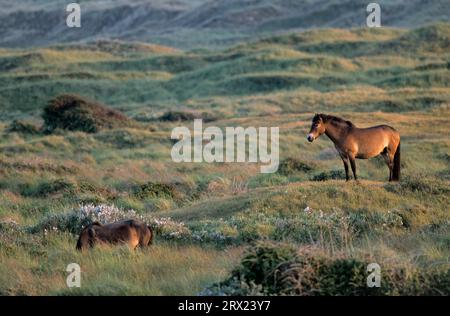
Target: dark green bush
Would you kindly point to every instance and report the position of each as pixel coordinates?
(22, 127)
(259, 265)
(70, 222)
(292, 165)
(178, 116)
(152, 189)
(329, 175)
(49, 187)
(71, 112)
(419, 184)
(278, 269)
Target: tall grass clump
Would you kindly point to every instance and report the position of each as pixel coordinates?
(291, 165)
(419, 184)
(23, 127)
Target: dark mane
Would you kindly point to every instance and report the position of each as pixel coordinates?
(333, 119)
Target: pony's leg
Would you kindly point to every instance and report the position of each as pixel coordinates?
(345, 161)
(389, 162)
(391, 165)
(347, 177)
(353, 164)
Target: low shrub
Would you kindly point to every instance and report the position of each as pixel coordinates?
(165, 228)
(329, 175)
(292, 165)
(49, 187)
(75, 113)
(23, 127)
(179, 116)
(261, 262)
(278, 269)
(419, 184)
(152, 189)
(75, 220)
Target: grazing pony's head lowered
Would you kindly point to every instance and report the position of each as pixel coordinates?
(87, 236)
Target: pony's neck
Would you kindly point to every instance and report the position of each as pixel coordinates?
(334, 132)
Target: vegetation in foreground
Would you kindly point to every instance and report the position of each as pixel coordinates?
(54, 181)
(274, 269)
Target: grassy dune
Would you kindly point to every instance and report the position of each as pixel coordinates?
(198, 23)
(385, 76)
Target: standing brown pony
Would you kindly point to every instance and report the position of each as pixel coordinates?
(352, 142)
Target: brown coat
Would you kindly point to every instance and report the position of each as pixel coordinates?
(131, 232)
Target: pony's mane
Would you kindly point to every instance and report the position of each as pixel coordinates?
(333, 119)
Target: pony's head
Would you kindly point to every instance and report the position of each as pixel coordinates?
(88, 236)
(317, 127)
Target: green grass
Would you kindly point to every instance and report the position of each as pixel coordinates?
(322, 61)
(165, 269)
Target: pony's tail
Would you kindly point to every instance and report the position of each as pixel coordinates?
(396, 171)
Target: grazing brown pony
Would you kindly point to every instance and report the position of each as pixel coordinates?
(352, 142)
(131, 232)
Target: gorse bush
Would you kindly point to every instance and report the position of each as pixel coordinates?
(152, 189)
(71, 112)
(23, 127)
(49, 187)
(292, 165)
(179, 116)
(176, 116)
(364, 222)
(279, 269)
(419, 184)
(329, 175)
(75, 220)
(259, 264)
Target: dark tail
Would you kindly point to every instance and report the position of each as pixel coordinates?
(396, 171)
(150, 241)
(79, 244)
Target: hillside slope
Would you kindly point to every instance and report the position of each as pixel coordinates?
(309, 69)
(189, 24)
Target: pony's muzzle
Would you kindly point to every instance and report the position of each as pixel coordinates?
(310, 138)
